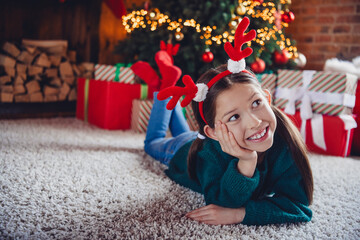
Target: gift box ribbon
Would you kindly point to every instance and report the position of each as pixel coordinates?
(117, 71)
(307, 97)
(317, 128)
(143, 95)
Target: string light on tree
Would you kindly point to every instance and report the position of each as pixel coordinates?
(268, 13)
(179, 36)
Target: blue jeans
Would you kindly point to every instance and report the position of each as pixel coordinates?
(157, 145)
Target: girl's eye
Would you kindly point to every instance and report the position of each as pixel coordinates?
(234, 117)
(256, 103)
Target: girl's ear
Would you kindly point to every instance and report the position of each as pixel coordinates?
(210, 132)
(267, 95)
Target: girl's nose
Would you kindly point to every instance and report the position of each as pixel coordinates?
(252, 121)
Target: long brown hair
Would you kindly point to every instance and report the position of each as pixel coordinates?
(285, 127)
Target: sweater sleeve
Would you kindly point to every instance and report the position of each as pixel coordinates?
(224, 185)
(286, 203)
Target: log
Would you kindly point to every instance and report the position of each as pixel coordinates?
(10, 71)
(22, 98)
(69, 80)
(5, 79)
(7, 88)
(19, 89)
(66, 70)
(72, 95)
(25, 57)
(50, 98)
(36, 97)
(43, 60)
(51, 72)
(6, 97)
(11, 49)
(35, 70)
(55, 60)
(18, 80)
(50, 90)
(21, 68)
(56, 82)
(7, 61)
(32, 86)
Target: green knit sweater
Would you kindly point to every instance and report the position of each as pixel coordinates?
(275, 193)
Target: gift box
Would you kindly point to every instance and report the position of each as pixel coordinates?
(190, 118)
(330, 135)
(118, 73)
(315, 92)
(268, 81)
(140, 114)
(108, 104)
(141, 110)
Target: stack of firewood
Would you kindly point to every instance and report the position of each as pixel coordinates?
(40, 71)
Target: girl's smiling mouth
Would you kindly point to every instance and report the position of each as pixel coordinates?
(259, 135)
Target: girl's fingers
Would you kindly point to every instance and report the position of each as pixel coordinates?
(225, 132)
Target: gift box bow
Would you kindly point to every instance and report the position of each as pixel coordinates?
(317, 128)
(307, 97)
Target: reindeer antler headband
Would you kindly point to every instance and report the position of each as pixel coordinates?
(236, 64)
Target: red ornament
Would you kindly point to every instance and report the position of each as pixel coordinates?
(258, 66)
(259, 1)
(207, 56)
(281, 57)
(288, 17)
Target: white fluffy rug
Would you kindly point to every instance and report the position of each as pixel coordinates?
(64, 179)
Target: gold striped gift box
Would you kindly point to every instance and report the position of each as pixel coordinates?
(118, 73)
(320, 92)
(190, 118)
(141, 109)
(140, 114)
(268, 81)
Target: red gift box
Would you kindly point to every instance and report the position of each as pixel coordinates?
(336, 136)
(108, 104)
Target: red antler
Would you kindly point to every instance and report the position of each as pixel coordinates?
(169, 48)
(235, 53)
(176, 92)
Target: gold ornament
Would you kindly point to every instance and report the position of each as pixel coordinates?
(179, 36)
(154, 14)
(234, 22)
(241, 9)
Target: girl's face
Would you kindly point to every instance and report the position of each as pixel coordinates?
(248, 115)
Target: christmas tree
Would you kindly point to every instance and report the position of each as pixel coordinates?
(202, 27)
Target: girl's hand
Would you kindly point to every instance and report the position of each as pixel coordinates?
(247, 158)
(229, 144)
(216, 215)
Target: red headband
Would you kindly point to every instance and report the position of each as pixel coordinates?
(236, 64)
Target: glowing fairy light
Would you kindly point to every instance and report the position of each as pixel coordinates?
(154, 19)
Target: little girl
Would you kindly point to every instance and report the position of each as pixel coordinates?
(248, 159)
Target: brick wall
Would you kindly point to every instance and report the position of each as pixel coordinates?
(326, 29)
